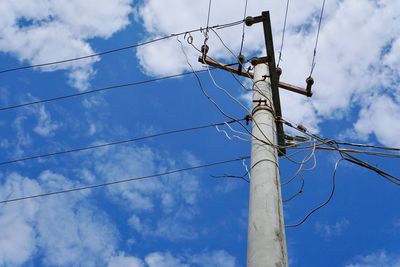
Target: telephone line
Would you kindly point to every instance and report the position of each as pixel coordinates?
(124, 181)
(221, 26)
(116, 142)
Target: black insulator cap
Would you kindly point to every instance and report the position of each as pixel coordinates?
(241, 58)
(310, 81)
(204, 49)
(278, 71)
(249, 21)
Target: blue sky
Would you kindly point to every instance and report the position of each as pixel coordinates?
(189, 218)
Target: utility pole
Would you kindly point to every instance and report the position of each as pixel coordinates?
(266, 244)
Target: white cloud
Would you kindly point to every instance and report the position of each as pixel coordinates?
(172, 197)
(218, 258)
(66, 230)
(327, 231)
(126, 261)
(45, 126)
(357, 61)
(378, 259)
(381, 118)
(52, 30)
(17, 236)
(163, 260)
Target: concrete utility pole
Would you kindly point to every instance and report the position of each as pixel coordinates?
(266, 229)
(266, 245)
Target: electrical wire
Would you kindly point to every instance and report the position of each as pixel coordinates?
(108, 88)
(324, 203)
(306, 159)
(366, 152)
(6, 162)
(201, 84)
(244, 28)
(283, 33)
(331, 143)
(123, 181)
(298, 192)
(222, 26)
(208, 15)
(255, 85)
(368, 146)
(229, 176)
(317, 38)
(268, 142)
(226, 91)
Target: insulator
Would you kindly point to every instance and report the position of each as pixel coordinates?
(204, 49)
(241, 59)
(310, 81)
(249, 21)
(278, 71)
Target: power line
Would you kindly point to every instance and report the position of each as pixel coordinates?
(123, 181)
(283, 33)
(221, 26)
(367, 146)
(365, 152)
(208, 15)
(116, 142)
(108, 88)
(345, 155)
(317, 38)
(244, 28)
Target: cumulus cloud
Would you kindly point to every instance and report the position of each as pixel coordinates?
(54, 30)
(173, 197)
(218, 258)
(381, 259)
(357, 60)
(376, 118)
(126, 261)
(66, 231)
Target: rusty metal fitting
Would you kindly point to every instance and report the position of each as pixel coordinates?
(258, 60)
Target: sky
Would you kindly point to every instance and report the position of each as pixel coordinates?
(194, 218)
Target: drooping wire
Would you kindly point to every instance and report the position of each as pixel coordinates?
(325, 202)
(306, 159)
(205, 93)
(222, 26)
(244, 28)
(300, 191)
(350, 158)
(201, 84)
(317, 38)
(123, 181)
(108, 88)
(6, 162)
(283, 33)
(254, 84)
